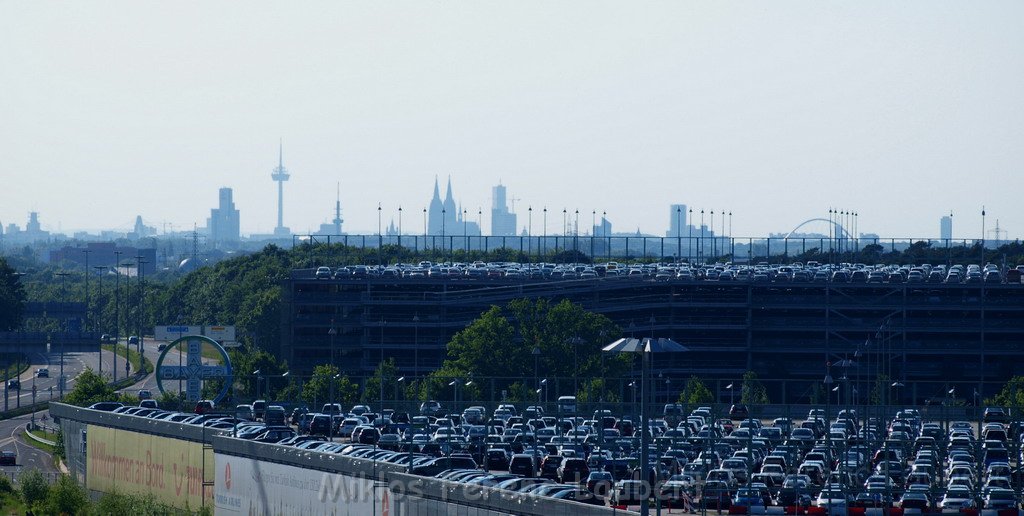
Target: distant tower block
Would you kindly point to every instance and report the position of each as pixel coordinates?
(280, 175)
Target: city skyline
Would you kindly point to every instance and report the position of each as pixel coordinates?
(900, 112)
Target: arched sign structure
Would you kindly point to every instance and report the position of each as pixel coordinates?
(194, 372)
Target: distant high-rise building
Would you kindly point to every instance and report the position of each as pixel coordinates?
(280, 174)
(676, 220)
(140, 230)
(334, 228)
(503, 221)
(224, 220)
(946, 227)
(603, 229)
(33, 226)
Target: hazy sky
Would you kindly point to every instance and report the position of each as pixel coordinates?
(777, 111)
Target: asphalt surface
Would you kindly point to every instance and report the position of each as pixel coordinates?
(28, 456)
(48, 388)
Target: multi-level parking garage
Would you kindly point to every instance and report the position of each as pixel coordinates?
(928, 337)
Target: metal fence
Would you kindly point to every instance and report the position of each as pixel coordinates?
(691, 247)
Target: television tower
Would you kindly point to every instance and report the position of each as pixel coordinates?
(280, 175)
(337, 213)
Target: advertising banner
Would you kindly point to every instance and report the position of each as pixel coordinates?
(223, 334)
(171, 333)
(255, 488)
(172, 470)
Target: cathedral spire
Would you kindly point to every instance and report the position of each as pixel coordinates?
(437, 190)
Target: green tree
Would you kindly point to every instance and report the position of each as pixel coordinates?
(12, 298)
(244, 361)
(696, 392)
(594, 390)
(318, 389)
(34, 489)
(90, 388)
(753, 391)
(387, 373)
(879, 391)
(1012, 394)
(499, 345)
(67, 497)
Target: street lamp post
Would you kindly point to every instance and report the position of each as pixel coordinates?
(416, 344)
(545, 232)
(536, 362)
(141, 271)
(646, 347)
(64, 330)
(828, 405)
(330, 413)
(529, 232)
(117, 307)
(127, 320)
(544, 385)
(679, 234)
(700, 242)
(97, 318)
(689, 238)
(257, 373)
(713, 252)
(86, 253)
(575, 341)
(332, 332)
(399, 226)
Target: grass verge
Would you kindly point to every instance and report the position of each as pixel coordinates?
(36, 444)
(133, 356)
(17, 363)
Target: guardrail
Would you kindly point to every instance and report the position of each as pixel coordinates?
(37, 438)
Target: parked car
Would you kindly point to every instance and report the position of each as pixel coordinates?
(8, 458)
(258, 408)
(244, 412)
(275, 416)
(738, 411)
(430, 408)
(106, 406)
(204, 407)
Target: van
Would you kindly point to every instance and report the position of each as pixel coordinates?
(673, 414)
(567, 404)
(331, 408)
(275, 416)
(524, 464)
(258, 408)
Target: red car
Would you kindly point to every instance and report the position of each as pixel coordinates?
(204, 407)
(8, 458)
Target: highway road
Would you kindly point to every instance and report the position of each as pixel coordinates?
(28, 456)
(48, 388)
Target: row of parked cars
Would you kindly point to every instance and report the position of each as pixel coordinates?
(696, 458)
(789, 273)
